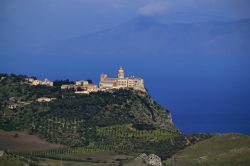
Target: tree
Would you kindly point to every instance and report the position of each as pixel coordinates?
(90, 81)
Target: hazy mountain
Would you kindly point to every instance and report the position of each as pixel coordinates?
(141, 36)
(144, 36)
(190, 17)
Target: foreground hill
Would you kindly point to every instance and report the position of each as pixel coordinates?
(225, 149)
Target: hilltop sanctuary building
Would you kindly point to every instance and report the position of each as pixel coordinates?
(121, 82)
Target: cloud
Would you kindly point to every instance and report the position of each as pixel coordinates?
(229, 8)
(156, 7)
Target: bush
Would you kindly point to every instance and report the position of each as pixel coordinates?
(16, 135)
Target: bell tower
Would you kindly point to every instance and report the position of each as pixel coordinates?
(120, 73)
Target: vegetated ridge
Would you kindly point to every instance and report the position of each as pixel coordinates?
(118, 120)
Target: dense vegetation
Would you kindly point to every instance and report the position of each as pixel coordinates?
(120, 120)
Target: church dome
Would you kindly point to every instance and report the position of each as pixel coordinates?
(121, 70)
(120, 73)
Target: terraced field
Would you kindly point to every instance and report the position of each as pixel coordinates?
(122, 142)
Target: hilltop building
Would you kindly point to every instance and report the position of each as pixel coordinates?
(89, 87)
(47, 82)
(121, 82)
(34, 82)
(45, 99)
(29, 80)
(67, 86)
(81, 83)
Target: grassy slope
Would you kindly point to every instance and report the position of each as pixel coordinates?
(95, 159)
(225, 149)
(68, 163)
(24, 142)
(10, 160)
(92, 159)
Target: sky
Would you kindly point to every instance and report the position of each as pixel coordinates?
(223, 107)
(55, 19)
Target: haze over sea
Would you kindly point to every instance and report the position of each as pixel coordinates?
(194, 57)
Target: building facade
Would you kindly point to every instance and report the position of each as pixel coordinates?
(34, 82)
(121, 82)
(45, 99)
(47, 82)
(81, 83)
(67, 86)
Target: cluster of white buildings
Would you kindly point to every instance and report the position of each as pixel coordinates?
(85, 87)
(106, 83)
(81, 87)
(36, 82)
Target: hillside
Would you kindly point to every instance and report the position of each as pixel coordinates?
(222, 149)
(16, 141)
(100, 109)
(122, 120)
(102, 128)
